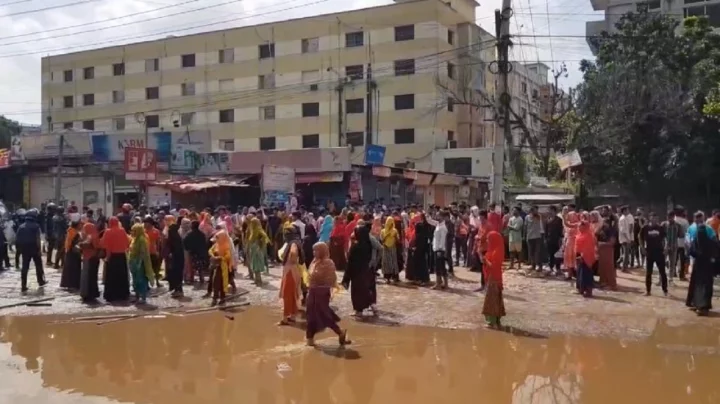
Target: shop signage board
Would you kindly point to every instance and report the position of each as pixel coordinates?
(140, 164)
(75, 144)
(278, 184)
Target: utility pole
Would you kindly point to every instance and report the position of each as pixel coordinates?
(369, 108)
(502, 30)
(58, 174)
(340, 90)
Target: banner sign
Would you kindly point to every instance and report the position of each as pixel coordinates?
(140, 164)
(4, 158)
(278, 184)
(212, 163)
(568, 160)
(75, 144)
(185, 149)
(374, 155)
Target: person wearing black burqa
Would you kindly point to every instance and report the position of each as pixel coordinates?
(704, 250)
(72, 267)
(177, 261)
(196, 244)
(423, 235)
(358, 276)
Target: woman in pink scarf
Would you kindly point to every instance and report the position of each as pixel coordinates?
(206, 226)
(353, 219)
(571, 222)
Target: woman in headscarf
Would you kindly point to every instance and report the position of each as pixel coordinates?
(206, 226)
(308, 242)
(410, 240)
(571, 223)
(290, 290)
(257, 242)
(586, 256)
(168, 221)
(704, 250)
(494, 306)
(188, 272)
(389, 238)
(358, 276)
(139, 263)
(326, 228)
(423, 234)
(221, 257)
(90, 245)
(337, 244)
(196, 246)
(377, 227)
(352, 221)
(177, 261)
(606, 236)
(323, 280)
(72, 266)
(115, 241)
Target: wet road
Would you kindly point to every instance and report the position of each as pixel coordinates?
(209, 359)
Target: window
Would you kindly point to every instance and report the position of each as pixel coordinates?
(404, 67)
(226, 144)
(152, 121)
(451, 136)
(696, 11)
(356, 139)
(458, 166)
(118, 69)
(67, 125)
(310, 45)
(404, 136)
(118, 96)
(404, 33)
(310, 141)
(187, 89)
(451, 37)
(152, 93)
(152, 65)
(88, 99)
(404, 101)
(535, 94)
(266, 81)
(226, 115)
(88, 125)
(451, 70)
(118, 123)
(354, 39)
(266, 51)
(649, 5)
(354, 72)
(68, 75)
(267, 143)
(523, 87)
(267, 113)
(309, 76)
(188, 60)
(187, 118)
(450, 105)
(355, 106)
(68, 101)
(523, 113)
(89, 73)
(310, 109)
(227, 56)
(713, 13)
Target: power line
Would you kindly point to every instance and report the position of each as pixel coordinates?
(15, 2)
(40, 10)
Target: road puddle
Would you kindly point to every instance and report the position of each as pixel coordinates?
(208, 358)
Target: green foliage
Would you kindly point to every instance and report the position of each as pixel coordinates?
(8, 129)
(643, 107)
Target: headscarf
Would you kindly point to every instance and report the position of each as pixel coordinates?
(90, 234)
(495, 256)
(325, 229)
(389, 234)
(71, 233)
(585, 244)
(185, 227)
(256, 233)
(376, 228)
(338, 227)
(206, 225)
(322, 269)
(115, 240)
(169, 221)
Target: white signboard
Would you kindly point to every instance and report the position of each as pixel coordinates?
(276, 178)
(567, 160)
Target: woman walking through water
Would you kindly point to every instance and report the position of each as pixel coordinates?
(222, 261)
(390, 238)
(140, 264)
(90, 245)
(358, 277)
(257, 242)
(494, 306)
(116, 243)
(323, 279)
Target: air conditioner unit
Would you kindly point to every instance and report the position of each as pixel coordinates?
(452, 144)
(313, 87)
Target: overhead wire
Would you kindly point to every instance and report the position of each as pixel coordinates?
(40, 10)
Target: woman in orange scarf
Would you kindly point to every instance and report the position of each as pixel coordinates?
(72, 266)
(585, 243)
(493, 306)
(290, 290)
(221, 264)
(571, 221)
(338, 243)
(90, 245)
(116, 242)
(323, 280)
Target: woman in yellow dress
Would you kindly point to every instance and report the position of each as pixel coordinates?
(257, 242)
(221, 265)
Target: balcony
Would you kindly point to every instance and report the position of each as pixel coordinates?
(598, 5)
(592, 30)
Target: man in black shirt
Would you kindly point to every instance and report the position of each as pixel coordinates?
(28, 242)
(653, 237)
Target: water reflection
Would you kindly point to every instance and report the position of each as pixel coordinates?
(209, 359)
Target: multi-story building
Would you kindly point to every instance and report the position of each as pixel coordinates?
(526, 82)
(615, 9)
(285, 85)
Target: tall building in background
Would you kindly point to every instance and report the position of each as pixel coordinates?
(288, 85)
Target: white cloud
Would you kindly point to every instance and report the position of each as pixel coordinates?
(20, 75)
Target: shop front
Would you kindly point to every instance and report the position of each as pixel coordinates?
(320, 189)
(79, 186)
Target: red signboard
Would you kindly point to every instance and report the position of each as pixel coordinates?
(140, 164)
(4, 158)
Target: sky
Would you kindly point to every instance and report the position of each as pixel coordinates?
(36, 28)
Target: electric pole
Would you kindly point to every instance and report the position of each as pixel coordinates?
(369, 109)
(502, 30)
(340, 90)
(58, 174)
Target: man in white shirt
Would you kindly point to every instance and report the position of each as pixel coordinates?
(438, 245)
(625, 235)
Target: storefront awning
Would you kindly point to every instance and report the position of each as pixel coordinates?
(200, 184)
(312, 178)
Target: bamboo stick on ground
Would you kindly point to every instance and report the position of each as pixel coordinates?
(220, 308)
(25, 303)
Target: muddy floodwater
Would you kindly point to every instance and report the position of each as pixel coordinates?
(208, 358)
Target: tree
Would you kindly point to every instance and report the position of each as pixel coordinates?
(643, 104)
(8, 129)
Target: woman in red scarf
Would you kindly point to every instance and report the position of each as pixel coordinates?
(493, 306)
(90, 245)
(352, 219)
(338, 242)
(585, 244)
(116, 242)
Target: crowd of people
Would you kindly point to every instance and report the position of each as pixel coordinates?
(140, 249)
